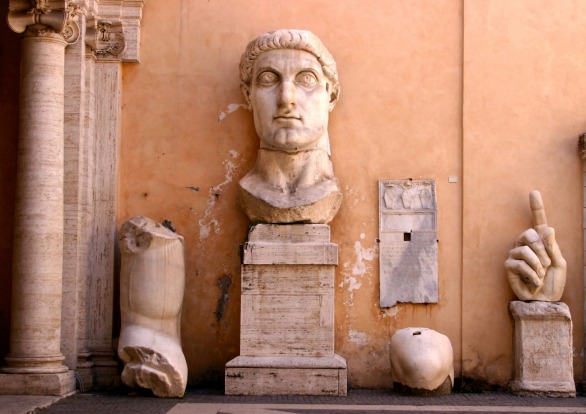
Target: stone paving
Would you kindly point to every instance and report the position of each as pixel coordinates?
(197, 401)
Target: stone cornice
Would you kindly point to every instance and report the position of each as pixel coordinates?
(51, 18)
(123, 33)
(107, 38)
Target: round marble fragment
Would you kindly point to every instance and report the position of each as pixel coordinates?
(422, 362)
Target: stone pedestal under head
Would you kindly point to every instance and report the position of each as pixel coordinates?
(152, 283)
(543, 349)
(422, 362)
(287, 314)
(290, 83)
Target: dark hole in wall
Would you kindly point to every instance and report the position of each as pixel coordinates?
(224, 283)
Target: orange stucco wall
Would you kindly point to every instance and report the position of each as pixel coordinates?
(492, 92)
(487, 91)
(524, 96)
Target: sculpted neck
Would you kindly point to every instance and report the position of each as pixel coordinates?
(322, 144)
(291, 188)
(287, 173)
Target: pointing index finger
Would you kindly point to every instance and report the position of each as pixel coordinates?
(537, 210)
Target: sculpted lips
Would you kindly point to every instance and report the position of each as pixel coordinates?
(287, 117)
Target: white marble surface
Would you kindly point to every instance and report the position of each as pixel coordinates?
(421, 358)
(290, 83)
(535, 268)
(152, 284)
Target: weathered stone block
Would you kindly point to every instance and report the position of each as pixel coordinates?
(285, 279)
(59, 383)
(287, 315)
(543, 349)
(289, 233)
(290, 244)
(286, 340)
(286, 375)
(320, 253)
(297, 310)
(287, 310)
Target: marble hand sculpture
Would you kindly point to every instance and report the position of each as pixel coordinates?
(290, 83)
(535, 268)
(152, 283)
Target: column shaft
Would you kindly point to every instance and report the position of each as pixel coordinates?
(38, 225)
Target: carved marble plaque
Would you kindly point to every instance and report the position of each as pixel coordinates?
(408, 242)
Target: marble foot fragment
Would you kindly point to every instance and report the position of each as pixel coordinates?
(152, 283)
(150, 369)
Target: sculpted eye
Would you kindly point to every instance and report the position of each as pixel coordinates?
(307, 79)
(267, 78)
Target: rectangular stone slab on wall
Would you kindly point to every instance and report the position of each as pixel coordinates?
(408, 242)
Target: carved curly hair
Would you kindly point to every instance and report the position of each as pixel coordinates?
(289, 39)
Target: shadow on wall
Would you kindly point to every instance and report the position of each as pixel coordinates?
(9, 98)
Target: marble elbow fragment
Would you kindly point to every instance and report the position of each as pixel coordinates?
(152, 284)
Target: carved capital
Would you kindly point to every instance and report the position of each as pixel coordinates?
(106, 39)
(582, 145)
(45, 18)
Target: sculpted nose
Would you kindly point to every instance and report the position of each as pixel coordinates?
(287, 95)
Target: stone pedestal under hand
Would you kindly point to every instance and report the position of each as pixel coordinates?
(422, 362)
(152, 283)
(287, 314)
(543, 349)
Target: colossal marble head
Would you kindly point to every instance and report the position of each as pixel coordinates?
(290, 82)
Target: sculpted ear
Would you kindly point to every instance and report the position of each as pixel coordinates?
(246, 92)
(334, 94)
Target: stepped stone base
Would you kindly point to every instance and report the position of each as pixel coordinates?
(247, 375)
(543, 349)
(61, 383)
(287, 314)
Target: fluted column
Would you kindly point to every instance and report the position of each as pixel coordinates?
(108, 42)
(35, 363)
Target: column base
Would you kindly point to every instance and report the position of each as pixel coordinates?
(60, 384)
(85, 371)
(97, 370)
(105, 369)
(286, 375)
